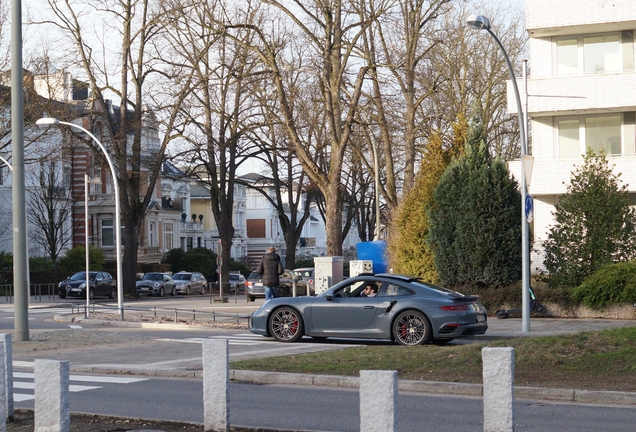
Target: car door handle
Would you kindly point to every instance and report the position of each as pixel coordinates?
(368, 307)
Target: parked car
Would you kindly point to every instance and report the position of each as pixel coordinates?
(307, 273)
(189, 283)
(101, 284)
(254, 286)
(405, 309)
(237, 283)
(155, 284)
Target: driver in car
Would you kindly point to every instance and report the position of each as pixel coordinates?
(370, 290)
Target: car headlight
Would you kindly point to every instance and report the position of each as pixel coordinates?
(82, 286)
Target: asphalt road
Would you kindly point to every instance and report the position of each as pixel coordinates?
(302, 408)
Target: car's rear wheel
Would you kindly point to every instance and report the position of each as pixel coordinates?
(252, 298)
(286, 325)
(111, 295)
(160, 292)
(412, 328)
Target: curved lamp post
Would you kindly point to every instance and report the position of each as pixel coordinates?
(6, 163)
(120, 291)
(480, 22)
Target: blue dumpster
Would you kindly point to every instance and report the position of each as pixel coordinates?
(374, 251)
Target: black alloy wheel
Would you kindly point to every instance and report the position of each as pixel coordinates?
(111, 295)
(91, 293)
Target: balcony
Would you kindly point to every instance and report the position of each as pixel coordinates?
(552, 176)
(190, 226)
(546, 18)
(569, 95)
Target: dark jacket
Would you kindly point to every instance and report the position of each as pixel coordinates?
(270, 267)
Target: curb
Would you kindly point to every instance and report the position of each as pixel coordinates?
(130, 324)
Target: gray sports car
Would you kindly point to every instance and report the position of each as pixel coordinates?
(382, 306)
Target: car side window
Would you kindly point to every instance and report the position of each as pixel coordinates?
(99, 277)
(392, 290)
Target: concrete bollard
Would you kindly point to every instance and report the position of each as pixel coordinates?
(3, 386)
(7, 354)
(216, 377)
(498, 378)
(52, 407)
(378, 401)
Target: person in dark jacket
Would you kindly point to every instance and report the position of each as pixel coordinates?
(270, 268)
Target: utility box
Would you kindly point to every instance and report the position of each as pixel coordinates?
(328, 272)
(359, 267)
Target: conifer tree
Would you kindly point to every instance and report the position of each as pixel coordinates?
(594, 224)
(409, 253)
(475, 220)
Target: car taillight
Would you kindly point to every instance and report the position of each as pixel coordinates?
(455, 308)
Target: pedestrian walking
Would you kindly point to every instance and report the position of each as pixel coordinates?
(270, 268)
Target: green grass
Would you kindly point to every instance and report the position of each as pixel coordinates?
(603, 360)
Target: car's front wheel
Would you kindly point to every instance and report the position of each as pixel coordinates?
(412, 328)
(160, 294)
(286, 325)
(172, 293)
(111, 295)
(91, 294)
(187, 291)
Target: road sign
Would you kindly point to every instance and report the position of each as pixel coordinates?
(529, 207)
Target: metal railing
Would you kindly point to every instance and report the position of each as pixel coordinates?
(155, 311)
(38, 292)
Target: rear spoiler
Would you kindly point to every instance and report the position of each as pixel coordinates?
(467, 299)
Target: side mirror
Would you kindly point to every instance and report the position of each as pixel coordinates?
(329, 297)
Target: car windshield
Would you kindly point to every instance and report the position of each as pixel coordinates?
(152, 276)
(183, 276)
(82, 276)
(234, 277)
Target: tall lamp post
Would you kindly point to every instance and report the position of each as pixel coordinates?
(120, 291)
(480, 22)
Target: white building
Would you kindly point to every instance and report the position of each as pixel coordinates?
(581, 93)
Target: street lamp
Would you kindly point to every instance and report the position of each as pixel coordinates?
(120, 291)
(87, 181)
(480, 22)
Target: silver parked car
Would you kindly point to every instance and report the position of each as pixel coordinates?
(189, 283)
(254, 286)
(404, 309)
(155, 284)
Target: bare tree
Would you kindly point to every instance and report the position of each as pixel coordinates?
(115, 45)
(330, 32)
(220, 113)
(49, 209)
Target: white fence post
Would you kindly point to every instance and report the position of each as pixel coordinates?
(52, 407)
(216, 414)
(7, 353)
(3, 385)
(378, 401)
(498, 384)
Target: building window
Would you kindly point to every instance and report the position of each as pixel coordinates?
(599, 133)
(589, 55)
(168, 235)
(108, 232)
(151, 234)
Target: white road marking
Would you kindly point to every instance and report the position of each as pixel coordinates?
(75, 326)
(85, 378)
(29, 385)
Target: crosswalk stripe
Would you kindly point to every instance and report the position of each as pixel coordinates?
(86, 378)
(30, 385)
(72, 387)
